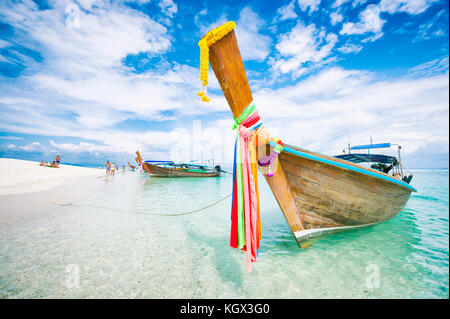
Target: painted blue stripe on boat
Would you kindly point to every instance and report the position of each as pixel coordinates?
(369, 146)
(158, 161)
(346, 166)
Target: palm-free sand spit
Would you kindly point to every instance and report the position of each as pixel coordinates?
(18, 176)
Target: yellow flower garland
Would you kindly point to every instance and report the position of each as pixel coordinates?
(209, 39)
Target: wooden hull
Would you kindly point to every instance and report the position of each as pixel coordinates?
(157, 171)
(332, 195)
(317, 194)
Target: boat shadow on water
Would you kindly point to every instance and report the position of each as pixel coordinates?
(401, 231)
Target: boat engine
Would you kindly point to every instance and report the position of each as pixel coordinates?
(407, 179)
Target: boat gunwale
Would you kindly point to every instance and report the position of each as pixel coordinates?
(354, 167)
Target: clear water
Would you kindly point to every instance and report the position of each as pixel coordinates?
(122, 251)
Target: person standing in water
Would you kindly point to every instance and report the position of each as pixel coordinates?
(113, 168)
(108, 167)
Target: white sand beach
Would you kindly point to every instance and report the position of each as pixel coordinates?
(18, 176)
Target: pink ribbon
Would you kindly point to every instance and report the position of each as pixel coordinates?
(250, 198)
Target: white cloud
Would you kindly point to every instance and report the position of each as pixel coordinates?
(82, 89)
(199, 15)
(4, 44)
(369, 21)
(303, 44)
(409, 6)
(408, 111)
(433, 28)
(145, 94)
(336, 17)
(355, 3)
(287, 11)
(10, 138)
(338, 3)
(87, 4)
(312, 5)
(350, 48)
(205, 27)
(82, 147)
(430, 68)
(100, 39)
(252, 43)
(82, 73)
(139, 1)
(373, 38)
(168, 7)
(32, 147)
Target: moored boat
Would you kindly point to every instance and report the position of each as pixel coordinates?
(318, 194)
(170, 169)
(131, 167)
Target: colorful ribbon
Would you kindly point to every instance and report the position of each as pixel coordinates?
(245, 217)
(268, 160)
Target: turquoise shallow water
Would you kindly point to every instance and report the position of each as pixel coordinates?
(76, 249)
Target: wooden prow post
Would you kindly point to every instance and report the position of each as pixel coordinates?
(226, 61)
(139, 156)
(141, 161)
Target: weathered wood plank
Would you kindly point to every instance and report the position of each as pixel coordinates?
(373, 185)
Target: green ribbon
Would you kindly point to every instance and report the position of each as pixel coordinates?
(248, 110)
(239, 176)
(240, 196)
(278, 148)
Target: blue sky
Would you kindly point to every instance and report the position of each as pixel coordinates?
(96, 80)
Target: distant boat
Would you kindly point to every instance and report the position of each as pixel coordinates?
(170, 169)
(318, 194)
(131, 167)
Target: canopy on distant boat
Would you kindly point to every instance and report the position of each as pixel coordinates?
(162, 162)
(191, 165)
(370, 146)
(368, 158)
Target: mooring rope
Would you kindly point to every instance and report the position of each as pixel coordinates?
(141, 212)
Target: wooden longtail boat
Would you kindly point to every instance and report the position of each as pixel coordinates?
(318, 194)
(131, 167)
(169, 169)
